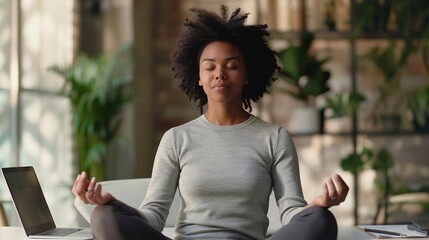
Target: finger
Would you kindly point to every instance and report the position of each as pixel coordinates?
(91, 185)
(325, 192)
(341, 183)
(75, 184)
(341, 186)
(82, 182)
(89, 194)
(97, 190)
(98, 197)
(79, 186)
(332, 191)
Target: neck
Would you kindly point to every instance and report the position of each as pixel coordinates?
(226, 116)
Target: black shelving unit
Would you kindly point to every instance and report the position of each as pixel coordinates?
(352, 38)
(331, 35)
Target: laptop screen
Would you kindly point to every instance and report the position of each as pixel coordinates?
(28, 199)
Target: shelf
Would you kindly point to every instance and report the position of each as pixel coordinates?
(387, 35)
(393, 133)
(339, 134)
(317, 34)
(369, 133)
(342, 35)
(357, 43)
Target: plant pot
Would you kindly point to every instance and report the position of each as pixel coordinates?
(338, 125)
(420, 128)
(305, 120)
(390, 122)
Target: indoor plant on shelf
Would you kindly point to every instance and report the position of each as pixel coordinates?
(306, 79)
(381, 162)
(99, 89)
(390, 103)
(372, 16)
(418, 104)
(339, 108)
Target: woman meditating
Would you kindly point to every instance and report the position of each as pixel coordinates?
(226, 162)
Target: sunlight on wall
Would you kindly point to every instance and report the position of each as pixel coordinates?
(4, 43)
(47, 39)
(47, 145)
(5, 141)
(318, 161)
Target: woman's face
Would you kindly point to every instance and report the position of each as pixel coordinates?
(222, 73)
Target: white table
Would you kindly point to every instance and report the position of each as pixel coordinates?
(15, 233)
(344, 233)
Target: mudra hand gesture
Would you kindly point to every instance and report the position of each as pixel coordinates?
(90, 192)
(334, 192)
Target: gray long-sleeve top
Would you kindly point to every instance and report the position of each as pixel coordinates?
(224, 175)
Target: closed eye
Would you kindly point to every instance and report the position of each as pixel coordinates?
(232, 66)
(209, 66)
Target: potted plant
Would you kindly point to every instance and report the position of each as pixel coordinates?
(387, 110)
(339, 108)
(418, 104)
(330, 18)
(99, 89)
(372, 15)
(381, 162)
(411, 16)
(306, 79)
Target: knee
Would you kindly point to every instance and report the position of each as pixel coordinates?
(323, 213)
(103, 223)
(326, 220)
(100, 216)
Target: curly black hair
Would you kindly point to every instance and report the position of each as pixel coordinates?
(260, 59)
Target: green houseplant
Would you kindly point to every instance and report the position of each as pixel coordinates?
(381, 162)
(388, 107)
(303, 71)
(372, 15)
(412, 21)
(411, 16)
(343, 104)
(339, 108)
(418, 104)
(306, 79)
(99, 89)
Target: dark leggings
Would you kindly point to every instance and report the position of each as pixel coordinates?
(116, 220)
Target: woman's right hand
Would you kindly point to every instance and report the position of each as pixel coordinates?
(90, 192)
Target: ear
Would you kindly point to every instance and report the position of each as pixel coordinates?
(200, 83)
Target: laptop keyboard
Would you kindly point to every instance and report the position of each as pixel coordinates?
(60, 232)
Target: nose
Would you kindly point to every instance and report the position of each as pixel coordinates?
(221, 76)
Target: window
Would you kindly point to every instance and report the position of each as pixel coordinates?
(40, 118)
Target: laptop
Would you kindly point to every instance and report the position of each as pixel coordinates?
(32, 209)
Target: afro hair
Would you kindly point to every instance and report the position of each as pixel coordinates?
(260, 59)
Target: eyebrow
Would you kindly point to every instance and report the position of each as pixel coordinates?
(226, 59)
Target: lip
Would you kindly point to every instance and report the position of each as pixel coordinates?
(220, 86)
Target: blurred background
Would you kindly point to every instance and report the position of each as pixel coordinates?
(86, 85)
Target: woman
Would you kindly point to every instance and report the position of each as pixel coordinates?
(226, 162)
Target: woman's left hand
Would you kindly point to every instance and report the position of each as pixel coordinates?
(334, 192)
